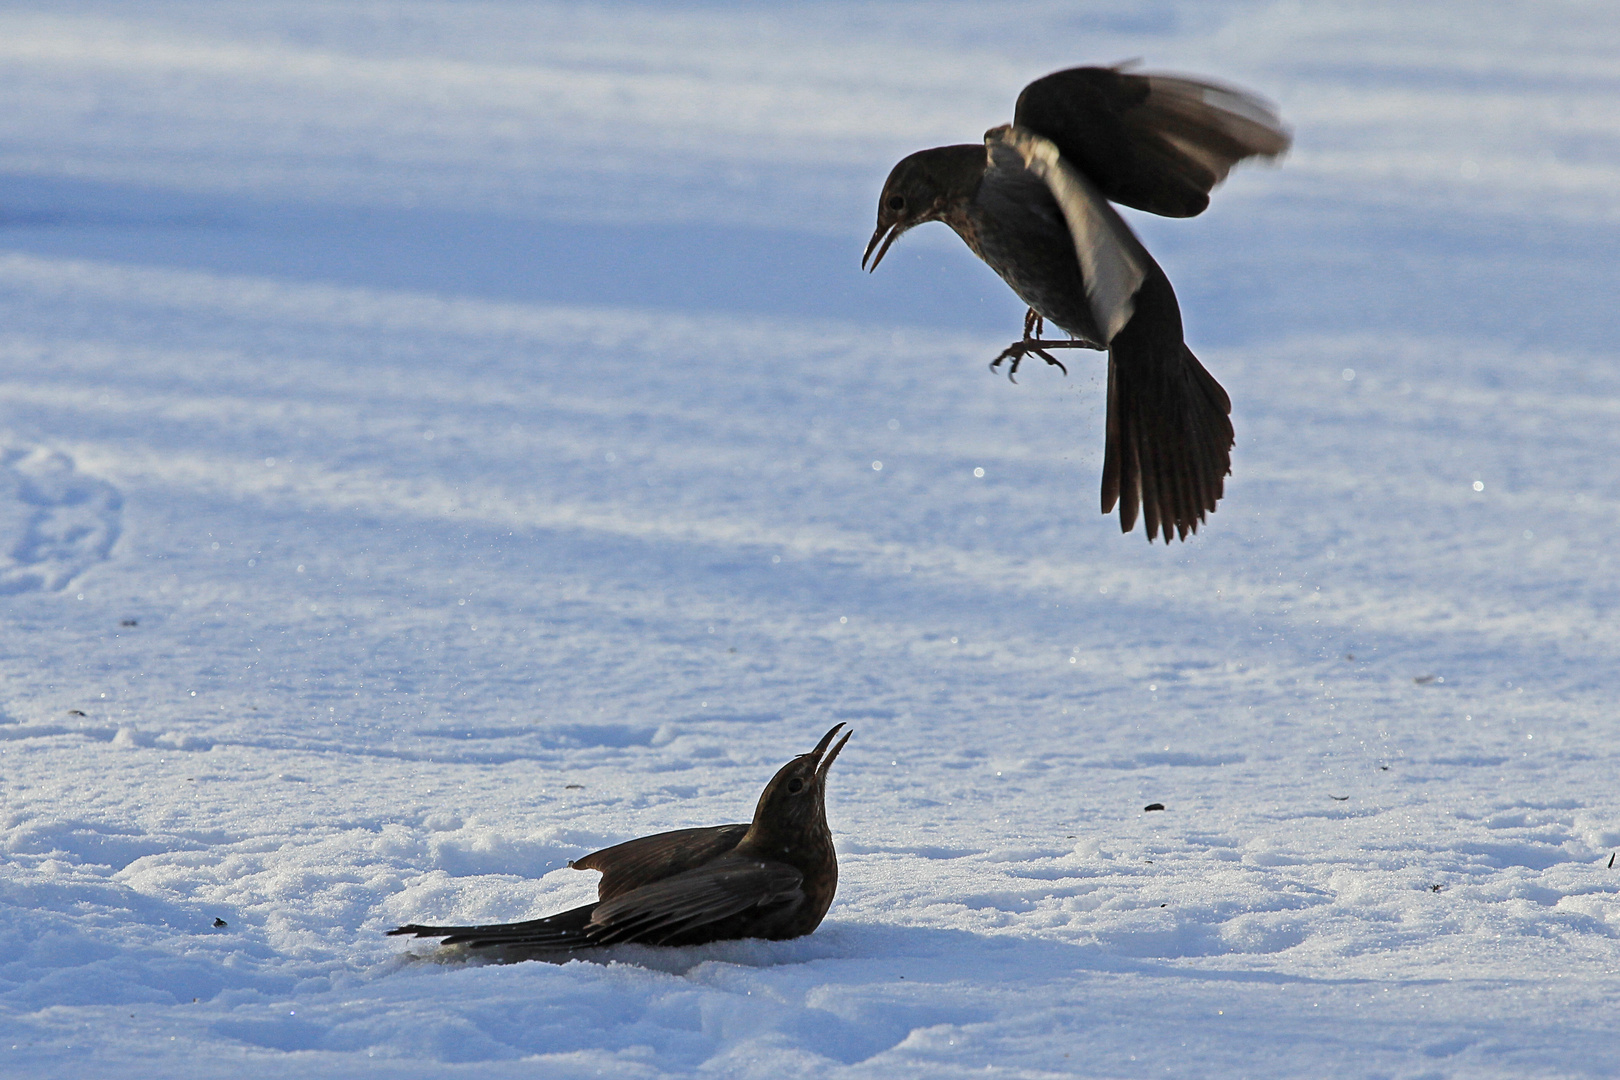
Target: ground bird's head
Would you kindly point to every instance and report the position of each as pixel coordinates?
(794, 802)
(924, 187)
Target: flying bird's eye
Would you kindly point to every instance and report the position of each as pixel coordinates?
(795, 786)
(897, 202)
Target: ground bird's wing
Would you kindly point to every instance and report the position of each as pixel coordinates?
(642, 861)
(1169, 444)
(1158, 143)
(677, 909)
(1113, 262)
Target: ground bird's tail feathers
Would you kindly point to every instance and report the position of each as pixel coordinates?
(561, 932)
(673, 911)
(1169, 433)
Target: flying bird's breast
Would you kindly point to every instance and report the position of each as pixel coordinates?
(1017, 228)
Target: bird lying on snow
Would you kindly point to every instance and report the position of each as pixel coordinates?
(774, 878)
(1032, 202)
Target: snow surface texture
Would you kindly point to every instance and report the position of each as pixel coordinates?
(437, 440)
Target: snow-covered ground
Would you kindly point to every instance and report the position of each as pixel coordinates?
(438, 439)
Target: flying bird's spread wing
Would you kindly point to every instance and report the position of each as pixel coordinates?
(636, 862)
(1113, 262)
(1158, 143)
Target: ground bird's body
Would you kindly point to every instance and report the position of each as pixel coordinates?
(773, 878)
(1033, 202)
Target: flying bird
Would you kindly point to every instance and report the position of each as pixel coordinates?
(773, 878)
(1033, 202)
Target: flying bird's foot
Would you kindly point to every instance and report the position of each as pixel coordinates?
(1020, 349)
(1034, 324)
(1016, 353)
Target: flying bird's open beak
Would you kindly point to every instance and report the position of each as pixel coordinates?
(894, 232)
(826, 762)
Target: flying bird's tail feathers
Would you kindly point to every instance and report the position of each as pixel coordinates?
(1169, 428)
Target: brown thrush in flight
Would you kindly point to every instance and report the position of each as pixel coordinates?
(1033, 202)
(774, 878)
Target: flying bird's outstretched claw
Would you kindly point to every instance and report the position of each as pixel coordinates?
(1033, 201)
(1020, 349)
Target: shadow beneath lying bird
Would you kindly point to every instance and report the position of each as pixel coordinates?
(848, 992)
(858, 953)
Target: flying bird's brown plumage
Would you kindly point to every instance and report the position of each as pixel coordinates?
(773, 878)
(1033, 202)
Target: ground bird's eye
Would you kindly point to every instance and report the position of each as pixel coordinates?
(897, 202)
(795, 786)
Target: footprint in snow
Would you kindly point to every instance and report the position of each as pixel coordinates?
(55, 521)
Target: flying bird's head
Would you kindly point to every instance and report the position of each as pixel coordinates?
(794, 800)
(924, 187)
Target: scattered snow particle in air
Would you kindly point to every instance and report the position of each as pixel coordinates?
(776, 558)
(711, 629)
(1348, 375)
(1529, 534)
(269, 462)
(703, 704)
(894, 425)
(1073, 660)
(877, 466)
(253, 562)
(81, 596)
(979, 519)
(1153, 686)
(463, 603)
(1103, 589)
(428, 435)
(979, 473)
(300, 568)
(194, 693)
(953, 641)
(214, 546)
(845, 619)
(1469, 170)
(1479, 485)
(610, 457)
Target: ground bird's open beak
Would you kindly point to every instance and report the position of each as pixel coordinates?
(825, 739)
(826, 762)
(894, 232)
